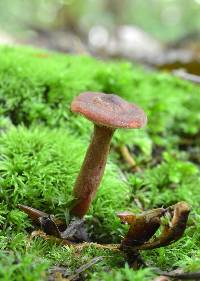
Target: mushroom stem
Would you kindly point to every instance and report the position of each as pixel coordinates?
(92, 169)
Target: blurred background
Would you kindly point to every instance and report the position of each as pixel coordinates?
(158, 33)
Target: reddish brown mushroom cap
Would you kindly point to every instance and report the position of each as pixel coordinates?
(109, 110)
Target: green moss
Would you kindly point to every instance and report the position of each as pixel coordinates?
(38, 168)
(124, 274)
(42, 145)
(22, 267)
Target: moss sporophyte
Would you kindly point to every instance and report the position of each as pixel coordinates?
(109, 112)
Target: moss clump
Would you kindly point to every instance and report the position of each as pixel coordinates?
(17, 266)
(124, 274)
(39, 167)
(42, 145)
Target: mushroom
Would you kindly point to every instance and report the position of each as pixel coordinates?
(108, 112)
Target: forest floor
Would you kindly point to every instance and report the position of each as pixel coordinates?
(42, 146)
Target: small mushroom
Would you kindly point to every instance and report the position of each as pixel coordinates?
(108, 112)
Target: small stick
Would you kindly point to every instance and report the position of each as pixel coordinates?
(180, 275)
(84, 267)
(184, 276)
(77, 246)
(127, 156)
(187, 76)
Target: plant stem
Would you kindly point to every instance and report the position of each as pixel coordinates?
(127, 156)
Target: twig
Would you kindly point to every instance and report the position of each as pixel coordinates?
(84, 267)
(127, 156)
(181, 275)
(187, 76)
(77, 246)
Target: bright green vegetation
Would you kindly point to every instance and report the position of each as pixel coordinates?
(165, 20)
(42, 145)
